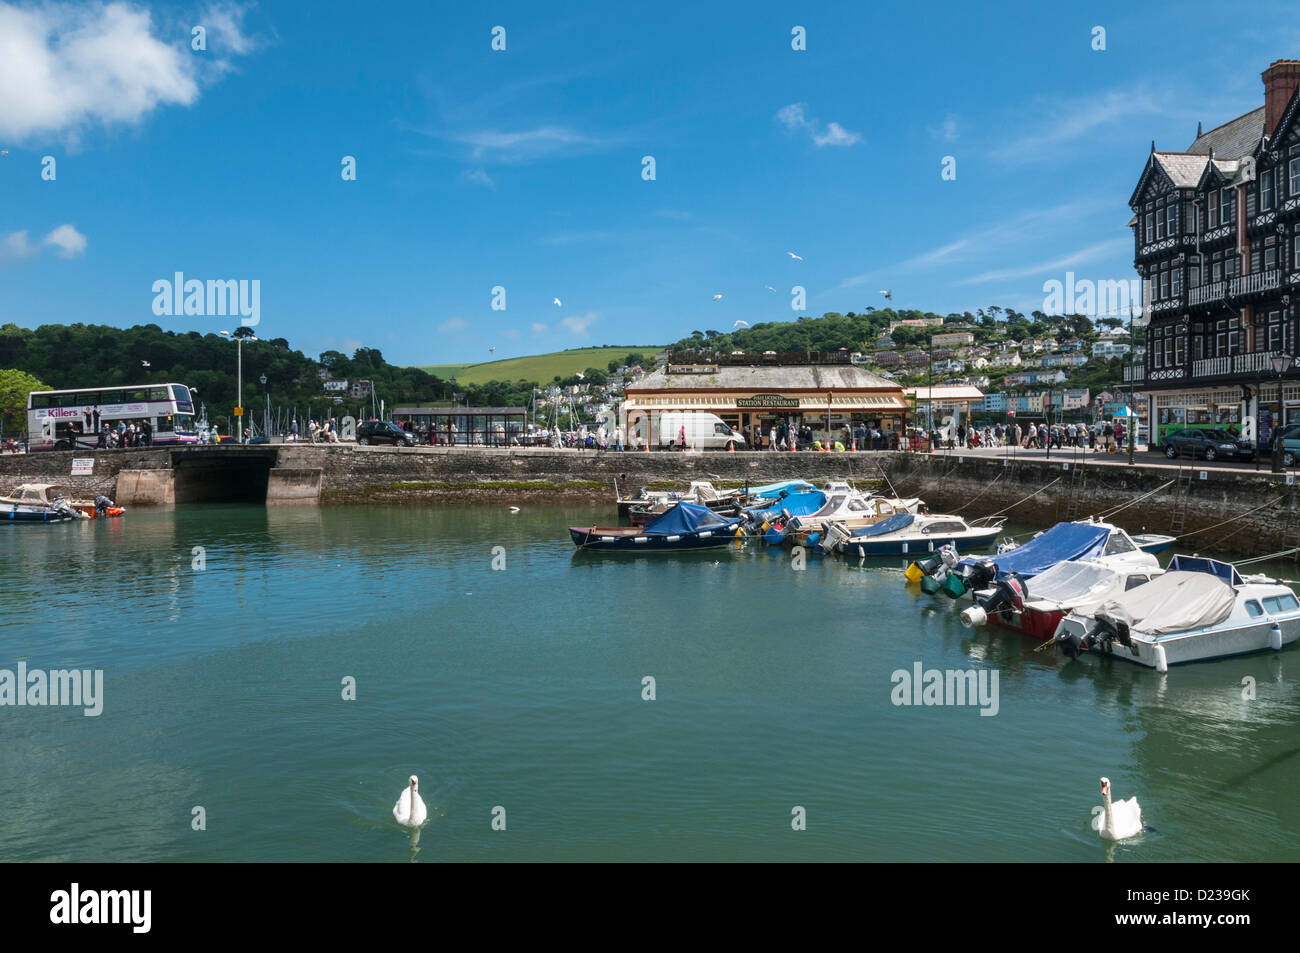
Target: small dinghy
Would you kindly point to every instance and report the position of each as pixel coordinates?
(907, 533)
(685, 526)
(39, 503)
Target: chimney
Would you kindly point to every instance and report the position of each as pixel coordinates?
(1280, 82)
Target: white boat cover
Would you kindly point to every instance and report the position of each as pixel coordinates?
(1081, 586)
(1175, 602)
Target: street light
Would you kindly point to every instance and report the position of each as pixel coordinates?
(266, 409)
(1281, 364)
(239, 336)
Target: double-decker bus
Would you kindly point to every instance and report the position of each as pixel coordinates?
(74, 419)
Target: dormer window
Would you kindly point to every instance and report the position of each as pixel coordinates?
(1212, 205)
(1266, 190)
(1228, 213)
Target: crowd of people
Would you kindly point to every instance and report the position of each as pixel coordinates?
(127, 433)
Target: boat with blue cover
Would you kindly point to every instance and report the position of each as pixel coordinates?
(685, 526)
(1199, 609)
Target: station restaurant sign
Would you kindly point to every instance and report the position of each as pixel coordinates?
(767, 400)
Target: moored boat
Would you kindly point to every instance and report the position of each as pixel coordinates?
(1035, 609)
(1199, 609)
(907, 533)
(39, 503)
(685, 526)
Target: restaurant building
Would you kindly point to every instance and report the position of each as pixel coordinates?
(1216, 231)
(795, 389)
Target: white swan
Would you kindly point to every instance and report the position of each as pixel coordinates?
(1122, 818)
(514, 509)
(409, 809)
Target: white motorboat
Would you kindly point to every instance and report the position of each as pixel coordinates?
(1199, 609)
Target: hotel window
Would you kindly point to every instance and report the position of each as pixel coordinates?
(1194, 275)
(1160, 219)
(1234, 338)
(1220, 338)
(1266, 190)
(1156, 353)
(1270, 253)
(1256, 255)
(1216, 267)
(1178, 282)
(1169, 350)
(1231, 264)
(1189, 216)
(1293, 169)
(1198, 347)
(1171, 213)
(1275, 330)
(1180, 350)
(1164, 283)
(1296, 256)
(1229, 210)
(1212, 205)
(1150, 232)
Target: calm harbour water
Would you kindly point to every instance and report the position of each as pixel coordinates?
(523, 688)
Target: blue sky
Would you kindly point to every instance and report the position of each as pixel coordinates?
(523, 168)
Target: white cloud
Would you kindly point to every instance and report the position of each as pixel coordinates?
(65, 67)
(946, 130)
(578, 324)
(452, 325)
(16, 246)
(478, 177)
(795, 119)
(67, 241)
(836, 135)
(539, 328)
(1082, 256)
(225, 24)
(497, 146)
(1055, 123)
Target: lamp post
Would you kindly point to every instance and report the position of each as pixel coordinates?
(239, 336)
(1281, 364)
(266, 409)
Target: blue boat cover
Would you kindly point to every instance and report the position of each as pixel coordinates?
(892, 525)
(686, 518)
(799, 504)
(1225, 571)
(774, 489)
(1063, 542)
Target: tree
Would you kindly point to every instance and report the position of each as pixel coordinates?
(15, 385)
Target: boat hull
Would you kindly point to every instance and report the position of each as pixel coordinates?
(34, 514)
(602, 540)
(917, 545)
(1035, 623)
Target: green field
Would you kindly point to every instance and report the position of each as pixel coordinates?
(539, 367)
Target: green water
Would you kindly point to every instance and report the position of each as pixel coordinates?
(523, 688)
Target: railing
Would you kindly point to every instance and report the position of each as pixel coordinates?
(1212, 366)
(1258, 361)
(1214, 291)
(1252, 363)
(1135, 373)
(1259, 281)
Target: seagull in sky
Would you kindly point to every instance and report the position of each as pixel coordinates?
(557, 302)
(581, 376)
(770, 288)
(739, 323)
(717, 297)
(145, 364)
(889, 295)
(794, 256)
(492, 349)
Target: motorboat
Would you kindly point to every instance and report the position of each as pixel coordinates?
(1153, 543)
(1035, 609)
(39, 503)
(1064, 542)
(684, 526)
(1199, 609)
(843, 502)
(878, 509)
(705, 493)
(906, 533)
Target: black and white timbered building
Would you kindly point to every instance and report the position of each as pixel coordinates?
(1217, 244)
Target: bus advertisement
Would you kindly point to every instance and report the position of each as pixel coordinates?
(76, 419)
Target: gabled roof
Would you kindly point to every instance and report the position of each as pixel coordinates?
(1234, 139)
(1184, 171)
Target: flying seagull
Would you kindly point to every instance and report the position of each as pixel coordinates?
(492, 349)
(145, 364)
(581, 376)
(794, 256)
(889, 295)
(739, 323)
(717, 297)
(557, 302)
(770, 288)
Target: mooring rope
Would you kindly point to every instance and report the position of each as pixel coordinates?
(971, 501)
(1233, 519)
(1105, 514)
(1018, 502)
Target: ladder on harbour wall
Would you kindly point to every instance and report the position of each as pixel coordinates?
(1182, 490)
(1291, 528)
(1072, 502)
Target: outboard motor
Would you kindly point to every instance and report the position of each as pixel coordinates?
(1071, 644)
(978, 575)
(1009, 594)
(935, 567)
(834, 536)
(1110, 629)
(102, 503)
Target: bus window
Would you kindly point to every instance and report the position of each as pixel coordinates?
(158, 393)
(40, 401)
(180, 392)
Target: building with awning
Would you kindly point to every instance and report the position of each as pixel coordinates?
(943, 399)
(761, 396)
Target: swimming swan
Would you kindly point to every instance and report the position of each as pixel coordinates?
(1122, 818)
(409, 809)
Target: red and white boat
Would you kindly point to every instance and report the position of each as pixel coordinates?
(1035, 606)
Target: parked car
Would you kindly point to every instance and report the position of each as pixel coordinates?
(1290, 437)
(383, 431)
(703, 432)
(1209, 443)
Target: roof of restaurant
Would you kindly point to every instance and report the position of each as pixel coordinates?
(760, 378)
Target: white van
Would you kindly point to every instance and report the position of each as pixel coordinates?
(703, 432)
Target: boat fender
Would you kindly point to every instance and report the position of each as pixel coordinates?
(1275, 637)
(973, 617)
(1162, 662)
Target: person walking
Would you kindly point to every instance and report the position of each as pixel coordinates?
(293, 430)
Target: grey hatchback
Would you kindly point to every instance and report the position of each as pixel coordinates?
(1207, 442)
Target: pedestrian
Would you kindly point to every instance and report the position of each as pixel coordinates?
(771, 440)
(293, 430)
(1119, 436)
